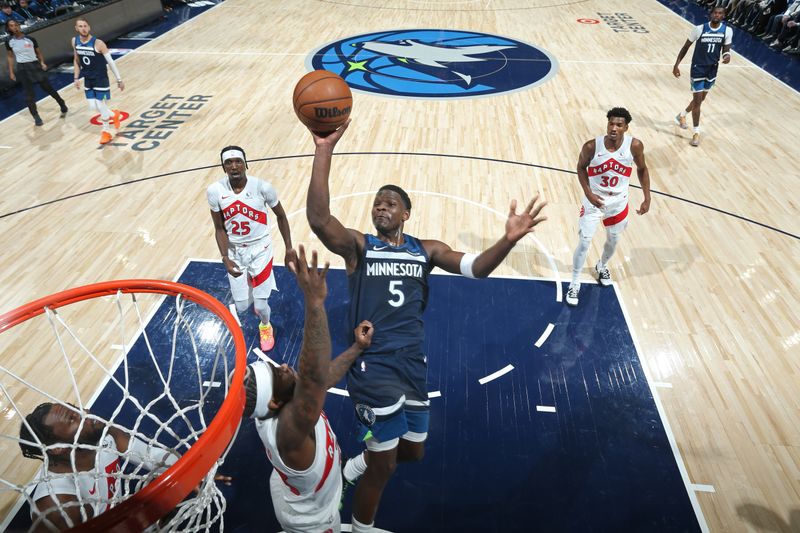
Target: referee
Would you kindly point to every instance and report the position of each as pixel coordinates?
(30, 68)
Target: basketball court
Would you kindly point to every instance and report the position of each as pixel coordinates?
(664, 403)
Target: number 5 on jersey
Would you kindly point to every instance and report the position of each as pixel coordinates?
(397, 298)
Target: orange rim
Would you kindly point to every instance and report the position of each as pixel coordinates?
(165, 492)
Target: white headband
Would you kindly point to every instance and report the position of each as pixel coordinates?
(263, 375)
(233, 154)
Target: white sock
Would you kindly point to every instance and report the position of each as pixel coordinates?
(262, 309)
(355, 467)
(105, 113)
(684, 113)
(358, 527)
(697, 129)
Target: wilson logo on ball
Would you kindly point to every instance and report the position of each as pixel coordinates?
(331, 112)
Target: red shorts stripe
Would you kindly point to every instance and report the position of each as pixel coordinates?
(266, 273)
(616, 219)
(330, 451)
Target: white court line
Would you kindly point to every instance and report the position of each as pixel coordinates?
(495, 375)
(232, 309)
(264, 357)
(435, 394)
(698, 511)
(662, 384)
(6, 147)
(212, 384)
(697, 487)
(340, 392)
(545, 408)
(547, 331)
(521, 60)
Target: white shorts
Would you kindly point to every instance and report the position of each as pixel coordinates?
(325, 522)
(255, 261)
(614, 214)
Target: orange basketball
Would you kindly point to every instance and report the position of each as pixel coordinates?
(322, 101)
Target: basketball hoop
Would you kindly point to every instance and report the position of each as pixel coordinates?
(138, 500)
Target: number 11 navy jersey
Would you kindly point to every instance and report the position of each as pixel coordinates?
(708, 43)
(390, 289)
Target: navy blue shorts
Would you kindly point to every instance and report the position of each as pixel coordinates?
(703, 77)
(390, 394)
(97, 88)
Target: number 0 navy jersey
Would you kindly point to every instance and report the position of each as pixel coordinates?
(92, 62)
(708, 43)
(390, 289)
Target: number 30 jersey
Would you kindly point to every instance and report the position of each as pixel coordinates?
(245, 214)
(390, 289)
(610, 172)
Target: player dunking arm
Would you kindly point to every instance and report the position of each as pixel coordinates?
(306, 480)
(712, 40)
(388, 285)
(239, 205)
(86, 56)
(604, 169)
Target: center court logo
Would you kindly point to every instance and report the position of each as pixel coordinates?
(435, 63)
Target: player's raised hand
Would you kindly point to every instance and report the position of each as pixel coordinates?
(330, 140)
(309, 277)
(363, 334)
(519, 225)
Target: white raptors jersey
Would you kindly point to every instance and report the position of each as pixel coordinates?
(311, 497)
(245, 214)
(610, 172)
(94, 487)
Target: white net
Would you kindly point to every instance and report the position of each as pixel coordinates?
(76, 398)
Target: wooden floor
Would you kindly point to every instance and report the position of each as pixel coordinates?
(713, 299)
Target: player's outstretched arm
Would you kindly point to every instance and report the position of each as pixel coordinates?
(336, 238)
(298, 417)
(517, 226)
(643, 173)
(343, 362)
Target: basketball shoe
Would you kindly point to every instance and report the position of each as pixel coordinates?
(695, 140)
(603, 275)
(266, 337)
(681, 121)
(572, 294)
(115, 119)
(105, 137)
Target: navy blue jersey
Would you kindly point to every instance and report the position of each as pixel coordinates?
(708, 46)
(93, 64)
(390, 289)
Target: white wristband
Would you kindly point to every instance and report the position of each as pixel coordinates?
(466, 265)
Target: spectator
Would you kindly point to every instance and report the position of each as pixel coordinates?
(778, 22)
(6, 14)
(30, 11)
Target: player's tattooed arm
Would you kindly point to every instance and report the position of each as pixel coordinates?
(300, 414)
(343, 362)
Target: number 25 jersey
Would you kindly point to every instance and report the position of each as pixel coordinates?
(245, 214)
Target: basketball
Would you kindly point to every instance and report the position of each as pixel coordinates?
(322, 101)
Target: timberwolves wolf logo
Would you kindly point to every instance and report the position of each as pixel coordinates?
(435, 63)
